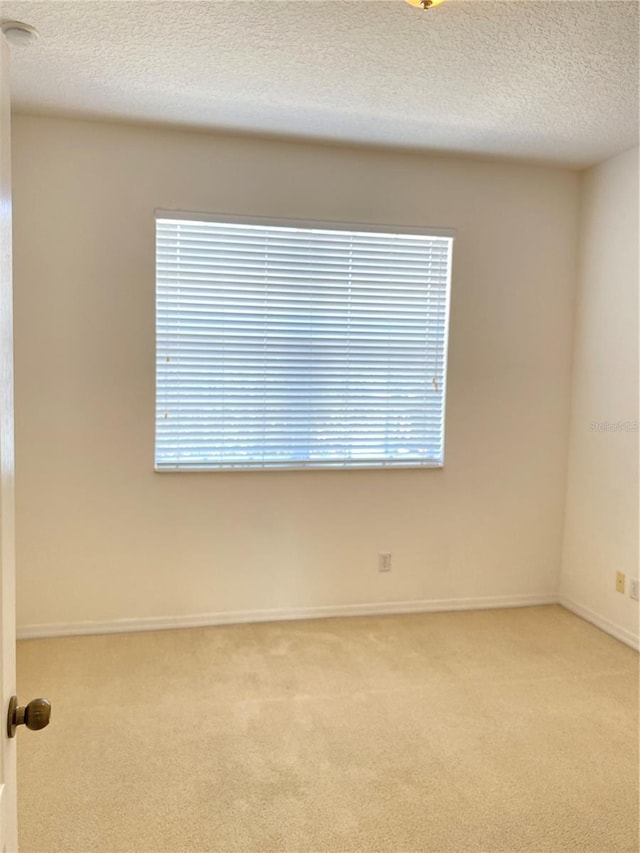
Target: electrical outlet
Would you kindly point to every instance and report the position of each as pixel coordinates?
(634, 589)
(384, 562)
(620, 579)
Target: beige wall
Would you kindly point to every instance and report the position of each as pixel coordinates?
(101, 536)
(601, 535)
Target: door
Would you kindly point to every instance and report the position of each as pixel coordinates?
(8, 809)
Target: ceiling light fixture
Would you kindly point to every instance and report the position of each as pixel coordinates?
(424, 4)
(19, 34)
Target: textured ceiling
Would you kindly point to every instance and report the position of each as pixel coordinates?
(547, 81)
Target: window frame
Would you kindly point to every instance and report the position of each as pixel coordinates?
(268, 221)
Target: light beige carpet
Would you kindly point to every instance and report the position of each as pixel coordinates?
(499, 730)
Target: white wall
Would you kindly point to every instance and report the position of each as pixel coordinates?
(101, 536)
(601, 534)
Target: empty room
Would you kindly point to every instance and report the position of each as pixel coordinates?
(319, 426)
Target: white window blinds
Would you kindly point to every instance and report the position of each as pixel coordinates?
(299, 347)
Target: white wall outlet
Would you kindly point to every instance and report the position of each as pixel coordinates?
(634, 589)
(620, 581)
(384, 562)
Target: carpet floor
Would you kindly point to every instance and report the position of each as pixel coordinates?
(504, 730)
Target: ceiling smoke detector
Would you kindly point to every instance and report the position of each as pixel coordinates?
(19, 34)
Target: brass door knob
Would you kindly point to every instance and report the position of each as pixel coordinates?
(35, 716)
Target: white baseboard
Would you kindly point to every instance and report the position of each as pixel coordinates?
(622, 634)
(163, 623)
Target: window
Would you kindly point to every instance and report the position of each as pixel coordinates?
(299, 345)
